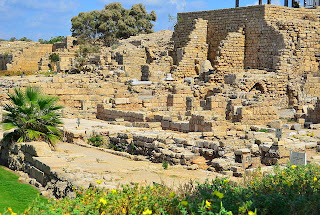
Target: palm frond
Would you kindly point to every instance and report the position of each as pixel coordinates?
(8, 126)
(52, 139)
(33, 115)
(32, 93)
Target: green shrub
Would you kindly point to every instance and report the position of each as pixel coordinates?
(293, 190)
(96, 140)
(54, 57)
(165, 165)
(264, 130)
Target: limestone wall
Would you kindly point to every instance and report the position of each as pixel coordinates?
(80, 94)
(25, 57)
(276, 38)
(191, 47)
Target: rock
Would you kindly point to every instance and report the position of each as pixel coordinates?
(135, 82)
(315, 126)
(169, 77)
(269, 161)
(311, 145)
(265, 147)
(255, 149)
(221, 164)
(296, 127)
(292, 134)
(205, 66)
(287, 113)
(285, 126)
(302, 132)
(242, 151)
(315, 158)
(193, 167)
(38, 149)
(277, 124)
(228, 173)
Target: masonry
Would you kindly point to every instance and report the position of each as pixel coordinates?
(265, 37)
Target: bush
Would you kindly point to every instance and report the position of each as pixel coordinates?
(96, 140)
(54, 57)
(294, 190)
(165, 165)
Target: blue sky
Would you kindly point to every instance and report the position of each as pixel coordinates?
(47, 18)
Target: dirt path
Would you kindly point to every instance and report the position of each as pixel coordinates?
(86, 165)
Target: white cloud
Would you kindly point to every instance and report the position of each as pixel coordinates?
(180, 4)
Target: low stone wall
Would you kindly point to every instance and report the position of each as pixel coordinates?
(156, 146)
(112, 115)
(29, 158)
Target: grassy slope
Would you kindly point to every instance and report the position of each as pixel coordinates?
(14, 194)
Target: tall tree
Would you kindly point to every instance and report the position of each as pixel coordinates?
(86, 24)
(113, 22)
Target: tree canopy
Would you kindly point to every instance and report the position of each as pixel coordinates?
(53, 40)
(112, 23)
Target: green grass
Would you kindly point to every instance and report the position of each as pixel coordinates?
(14, 194)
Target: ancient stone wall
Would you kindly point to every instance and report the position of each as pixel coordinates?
(80, 94)
(276, 38)
(192, 49)
(24, 56)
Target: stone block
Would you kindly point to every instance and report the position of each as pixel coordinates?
(38, 149)
(296, 127)
(277, 124)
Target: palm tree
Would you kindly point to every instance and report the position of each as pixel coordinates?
(33, 116)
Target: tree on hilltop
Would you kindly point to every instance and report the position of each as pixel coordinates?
(112, 23)
(25, 39)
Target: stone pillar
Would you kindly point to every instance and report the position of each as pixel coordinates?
(260, 2)
(286, 3)
(269, 1)
(237, 3)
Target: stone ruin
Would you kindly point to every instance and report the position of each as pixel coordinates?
(214, 93)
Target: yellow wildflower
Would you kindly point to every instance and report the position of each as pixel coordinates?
(103, 213)
(113, 191)
(14, 213)
(147, 212)
(99, 182)
(184, 203)
(218, 194)
(103, 201)
(10, 209)
(252, 213)
(172, 194)
(124, 210)
(293, 166)
(208, 204)
(315, 179)
(226, 181)
(145, 198)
